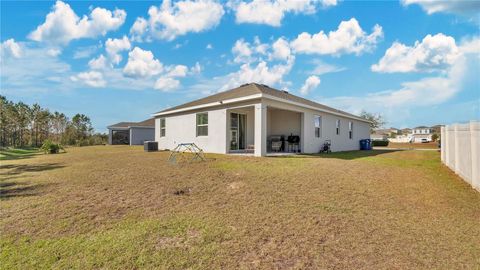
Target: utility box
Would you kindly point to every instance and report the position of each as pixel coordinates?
(150, 146)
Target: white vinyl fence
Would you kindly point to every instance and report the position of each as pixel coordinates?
(461, 151)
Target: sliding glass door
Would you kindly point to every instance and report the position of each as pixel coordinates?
(238, 127)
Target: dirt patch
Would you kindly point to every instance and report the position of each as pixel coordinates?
(236, 185)
(183, 191)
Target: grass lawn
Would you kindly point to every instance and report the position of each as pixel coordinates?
(430, 145)
(17, 153)
(118, 207)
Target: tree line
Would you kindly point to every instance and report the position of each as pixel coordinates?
(23, 125)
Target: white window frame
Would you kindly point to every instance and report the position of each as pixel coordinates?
(201, 125)
(337, 131)
(163, 129)
(350, 130)
(319, 127)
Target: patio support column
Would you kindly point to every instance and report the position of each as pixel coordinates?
(130, 139)
(260, 130)
(110, 134)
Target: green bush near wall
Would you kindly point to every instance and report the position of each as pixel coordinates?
(379, 143)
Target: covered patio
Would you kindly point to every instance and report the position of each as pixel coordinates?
(264, 130)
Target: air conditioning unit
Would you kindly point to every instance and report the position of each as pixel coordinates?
(150, 146)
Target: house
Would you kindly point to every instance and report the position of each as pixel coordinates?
(378, 137)
(388, 132)
(259, 118)
(422, 134)
(132, 133)
(422, 130)
(406, 131)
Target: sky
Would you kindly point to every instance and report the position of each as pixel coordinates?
(414, 62)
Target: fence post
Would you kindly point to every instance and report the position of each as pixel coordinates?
(442, 143)
(447, 146)
(474, 144)
(456, 150)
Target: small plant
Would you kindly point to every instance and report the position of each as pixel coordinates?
(379, 143)
(50, 147)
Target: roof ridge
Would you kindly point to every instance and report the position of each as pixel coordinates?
(251, 89)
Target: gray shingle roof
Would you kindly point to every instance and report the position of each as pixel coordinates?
(146, 123)
(252, 89)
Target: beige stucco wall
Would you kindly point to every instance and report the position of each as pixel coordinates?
(181, 127)
(283, 122)
(341, 142)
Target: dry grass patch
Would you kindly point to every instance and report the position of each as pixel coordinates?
(119, 207)
(429, 145)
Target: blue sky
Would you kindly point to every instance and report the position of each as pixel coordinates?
(414, 63)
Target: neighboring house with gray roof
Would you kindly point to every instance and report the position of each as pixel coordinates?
(257, 118)
(132, 133)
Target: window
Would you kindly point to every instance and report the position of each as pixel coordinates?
(350, 130)
(338, 127)
(202, 124)
(318, 126)
(162, 127)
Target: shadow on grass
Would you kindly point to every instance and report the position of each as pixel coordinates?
(346, 155)
(18, 153)
(10, 190)
(15, 169)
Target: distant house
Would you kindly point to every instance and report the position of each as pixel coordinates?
(422, 130)
(257, 118)
(389, 132)
(131, 133)
(406, 131)
(378, 137)
(422, 134)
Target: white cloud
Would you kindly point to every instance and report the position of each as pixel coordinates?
(138, 29)
(424, 92)
(311, 83)
(169, 21)
(11, 48)
(91, 78)
(433, 53)
(62, 24)
(209, 46)
(34, 72)
(245, 52)
(348, 38)
(142, 63)
(271, 12)
(260, 73)
(242, 52)
(98, 63)
(196, 69)
(114, 46)
(468, 8)
(54, 52)
(281, 49)
(324, 68)
(177, 71)
(85, 52)
(166, 84)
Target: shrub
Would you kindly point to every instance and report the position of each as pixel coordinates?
(83, 142)
(379, 143)
(50, 147)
